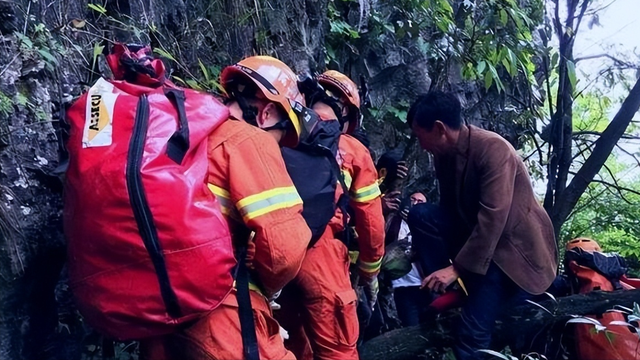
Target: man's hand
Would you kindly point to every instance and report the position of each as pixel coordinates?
(404, 214)
(391, 202)
(402, 170)
(439, 280)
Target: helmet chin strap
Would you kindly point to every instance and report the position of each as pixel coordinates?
(333, 104)
(281, 125)
(314, 93)
(249, 112)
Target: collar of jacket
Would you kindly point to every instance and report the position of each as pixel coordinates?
(462, 146)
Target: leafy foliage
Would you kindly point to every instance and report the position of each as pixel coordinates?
(591, 112)
(491, 39)
(6, 107)
(607, 211)
(38, 44)
(612, 220)
(499, 39)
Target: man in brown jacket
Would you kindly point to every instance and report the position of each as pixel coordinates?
(500, 240)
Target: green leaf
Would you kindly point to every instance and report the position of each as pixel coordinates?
(400, 114)
(179, 79)
(164, 54)
(503, 17)
(496, 78)
(493, 71)
(488, 80)
(481, 66)
(193, 84)
(571, 72)
(205, 72)
(513, 60)
(221, 89)
(24, 40)
(507, 66)
(97, 50)
(22, 99)
(516, 17)
(445, 6)
(331, 53)
(443, 25)
(468, 71)
(46, 55)
(97, 8)
(215, 84)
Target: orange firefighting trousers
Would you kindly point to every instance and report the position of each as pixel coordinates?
(217, 336)
(321, 303)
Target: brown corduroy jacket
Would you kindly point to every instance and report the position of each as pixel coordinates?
(487, 189)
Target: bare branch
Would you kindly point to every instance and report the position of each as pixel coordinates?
(628, 153)
(606, 183)
(556, 19)
(595, 11)
(582, 151)
(597, 133)
(588, 203)
(608, 56)
(539, 149)
(615, 182)
(583, 9)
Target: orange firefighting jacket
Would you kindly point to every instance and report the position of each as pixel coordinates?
(361, 178)
(249, 178)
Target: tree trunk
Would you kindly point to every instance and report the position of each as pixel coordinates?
(601, 151)
(561, 198)
(516, 329)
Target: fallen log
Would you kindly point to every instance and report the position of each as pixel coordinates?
(516, 328)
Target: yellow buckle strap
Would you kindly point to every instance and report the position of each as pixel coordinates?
(252, 286)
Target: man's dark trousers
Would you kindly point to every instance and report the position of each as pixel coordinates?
(431, 231)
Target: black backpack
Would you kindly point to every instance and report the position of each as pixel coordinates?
(315, 172)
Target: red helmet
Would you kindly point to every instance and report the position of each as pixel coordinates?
(277, 82)
(340, 85)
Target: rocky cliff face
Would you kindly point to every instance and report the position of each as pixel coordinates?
(48, 55)
(46, 59)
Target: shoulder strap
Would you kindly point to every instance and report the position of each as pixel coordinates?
(245, 310)
(324, 140)
(343, 200)
(178, 144)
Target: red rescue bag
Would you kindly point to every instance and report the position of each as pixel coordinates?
(616, 342)
(148, 246)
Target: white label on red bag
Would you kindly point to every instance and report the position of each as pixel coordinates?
(101, 100)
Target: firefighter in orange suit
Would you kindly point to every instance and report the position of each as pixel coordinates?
(249, 178)
(328, 309)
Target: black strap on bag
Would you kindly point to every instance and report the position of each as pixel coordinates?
(178, 143)
(343, 200)
(315, 172)
(245, 310)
